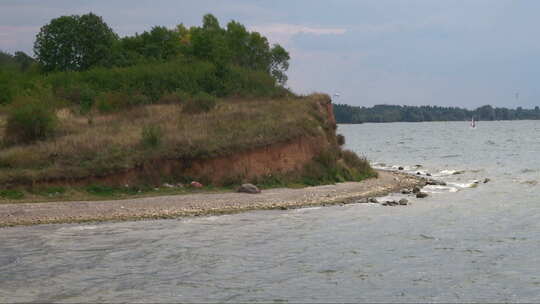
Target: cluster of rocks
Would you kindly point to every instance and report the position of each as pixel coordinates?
(401, 202)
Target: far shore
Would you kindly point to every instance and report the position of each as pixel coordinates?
(203, 204)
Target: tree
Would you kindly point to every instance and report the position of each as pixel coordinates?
(279, 64)
(74, 43)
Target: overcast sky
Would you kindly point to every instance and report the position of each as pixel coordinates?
(440, 52)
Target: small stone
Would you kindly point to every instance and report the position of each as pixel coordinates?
(415, 190)
(373, 200)
(486, 180)
(390, 203)
(421, 195)
(403, 202)
(406, 191)
(428, 174)
(248, 188)
(400, 168)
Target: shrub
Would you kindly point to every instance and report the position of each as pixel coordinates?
(358, 164)
(11, 194)
(151, 136)
(30, 119)
(200, 103)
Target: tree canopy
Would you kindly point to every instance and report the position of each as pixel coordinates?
(74, 43)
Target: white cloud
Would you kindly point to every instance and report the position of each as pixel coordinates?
(282, 32)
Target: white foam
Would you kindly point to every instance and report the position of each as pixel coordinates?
(439, 189)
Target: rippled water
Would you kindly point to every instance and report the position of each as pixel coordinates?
(459, 245)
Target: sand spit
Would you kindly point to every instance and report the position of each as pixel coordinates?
(203, 204)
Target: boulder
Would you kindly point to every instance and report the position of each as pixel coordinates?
(248, 188)
(373, 200)
(195, 184)
(421, 195)
(403, 202)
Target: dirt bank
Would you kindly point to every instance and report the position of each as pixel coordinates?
(201, 204)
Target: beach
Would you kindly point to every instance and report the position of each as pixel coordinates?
(15, 214)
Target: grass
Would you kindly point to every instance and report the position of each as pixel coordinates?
(111, 142)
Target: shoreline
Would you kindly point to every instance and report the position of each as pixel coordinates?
(199, 204)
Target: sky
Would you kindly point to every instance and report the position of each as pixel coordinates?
(464, 53)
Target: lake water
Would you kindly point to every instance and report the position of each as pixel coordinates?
(461, 244)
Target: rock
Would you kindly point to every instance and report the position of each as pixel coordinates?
(406, 191)
(435, 182)
(248, 188)
(373, 200)
(400, 168)
(418, 173)
(418, 166)
(486, 180)
(421, 195)
(167, 185)
(362, 201)
(403, 202)
(458, 172)
(390, 203)
(195, 184)
(428, 174)
(415, 190)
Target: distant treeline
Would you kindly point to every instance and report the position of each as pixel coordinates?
(393, 113)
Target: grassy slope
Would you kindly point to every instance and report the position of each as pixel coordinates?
(113, 142)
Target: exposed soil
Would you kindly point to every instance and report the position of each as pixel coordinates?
(202, 204)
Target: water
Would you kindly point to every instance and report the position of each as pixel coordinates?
(459, 245)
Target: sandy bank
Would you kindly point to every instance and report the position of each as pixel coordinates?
(202, 204)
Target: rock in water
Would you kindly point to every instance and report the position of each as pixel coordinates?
(421, 194)
(248, 188)
(486, 180)
(415, 190)
(403, 201)
(400, 168)
(405, 191)
(373, 200)
(390, 203)
(435, 182)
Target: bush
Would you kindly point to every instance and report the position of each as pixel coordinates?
(30, 119)
(200, 103)
(11, 194)
(359, 165)
(151, 136)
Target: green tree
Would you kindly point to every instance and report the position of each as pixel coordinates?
(279, 64)
(74, 43)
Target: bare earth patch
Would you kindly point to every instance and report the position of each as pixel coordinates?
(202, 204)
